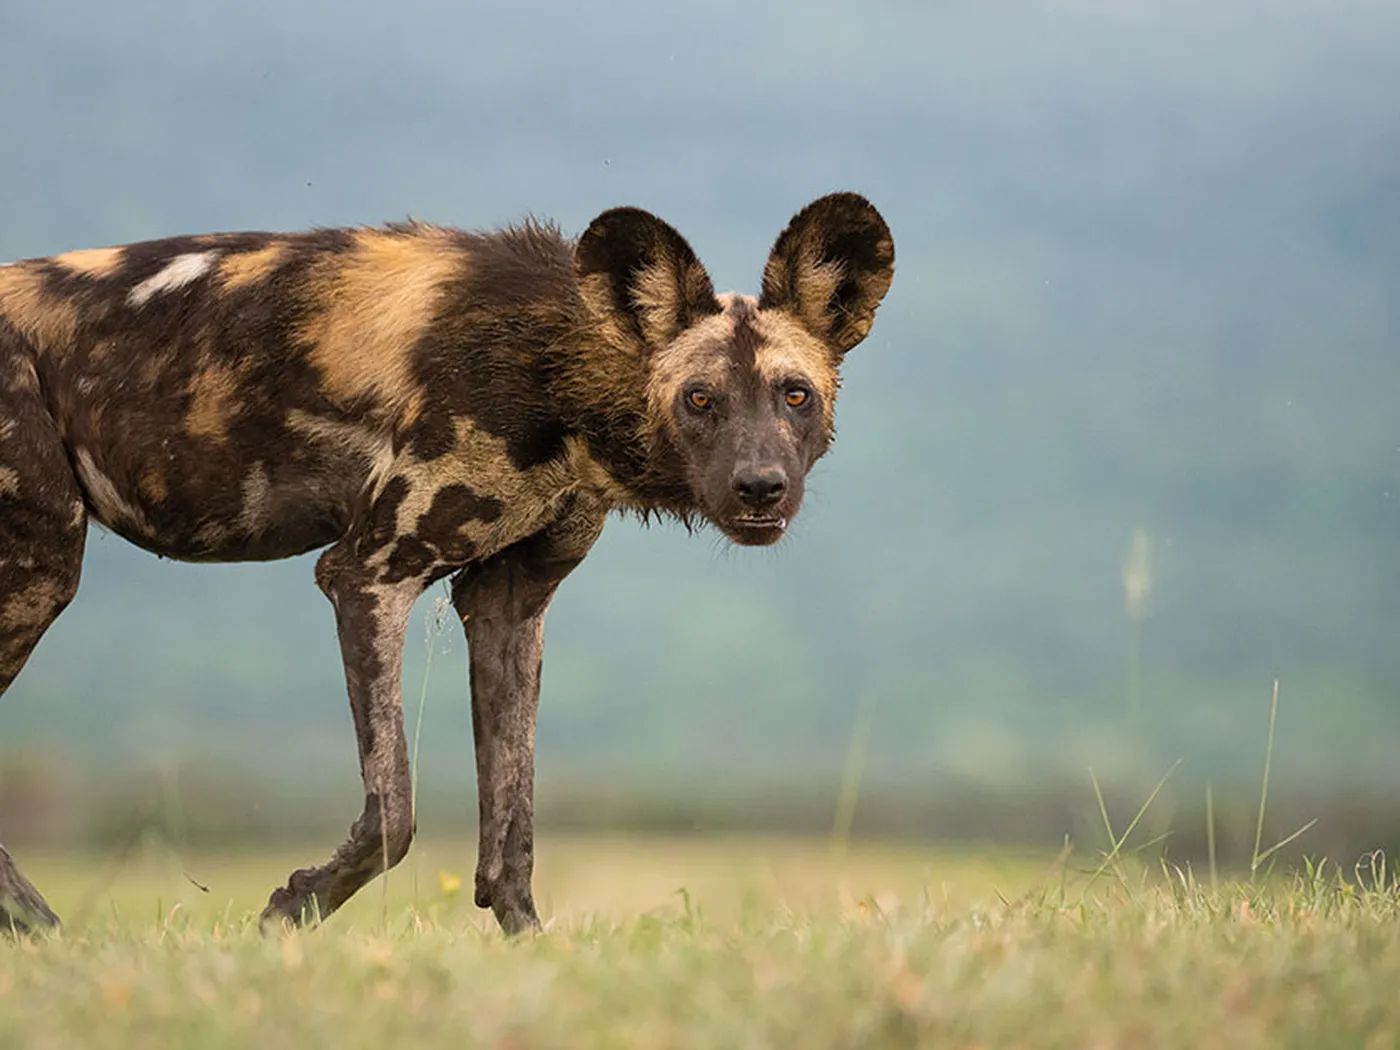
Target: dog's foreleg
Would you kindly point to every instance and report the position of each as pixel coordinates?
(502, 604)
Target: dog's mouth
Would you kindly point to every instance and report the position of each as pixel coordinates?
(756, 530)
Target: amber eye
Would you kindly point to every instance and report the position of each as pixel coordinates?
(699, 399)
(796, 397)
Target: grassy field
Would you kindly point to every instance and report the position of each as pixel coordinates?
(725, 944)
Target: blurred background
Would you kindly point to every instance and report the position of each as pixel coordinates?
(1122, 450)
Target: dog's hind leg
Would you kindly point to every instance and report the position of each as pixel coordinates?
(371, 617)
(43, 524)
(22, 908)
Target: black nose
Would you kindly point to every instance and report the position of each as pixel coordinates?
(760, 488)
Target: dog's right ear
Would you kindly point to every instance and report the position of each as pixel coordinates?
(641, 279)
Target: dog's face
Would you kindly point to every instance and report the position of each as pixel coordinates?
(743, 389)
(746, 397)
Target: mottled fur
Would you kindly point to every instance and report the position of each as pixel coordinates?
(425, 402)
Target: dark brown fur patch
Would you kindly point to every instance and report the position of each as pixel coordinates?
(453, 506)
(383, 523)
(49, 322)
(410, 557)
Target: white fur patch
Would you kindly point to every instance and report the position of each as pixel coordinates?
(177, 273)
(256, 514)
(105, 498)
(728, 300)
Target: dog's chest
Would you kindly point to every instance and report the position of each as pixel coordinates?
(470, 504)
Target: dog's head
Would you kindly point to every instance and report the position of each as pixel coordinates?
(743, 388)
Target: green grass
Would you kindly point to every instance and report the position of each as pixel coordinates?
(770, 944)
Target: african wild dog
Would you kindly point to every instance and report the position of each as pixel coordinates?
(427, 402)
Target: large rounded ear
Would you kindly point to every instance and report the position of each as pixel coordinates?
(640, 277)
(831, 267)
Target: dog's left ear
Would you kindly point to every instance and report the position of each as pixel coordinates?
(641, 278)
(831, 267)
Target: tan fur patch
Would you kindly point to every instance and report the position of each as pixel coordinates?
(816, 282)
(348, 436)
(660, 294)
(592, 477)
(697, 354)
(212, 402)
(21, 377)
(50, 322)
(804, 281)
(654, 292)
(152, 485)
(377, 300)
(92, 262)
(529, 498)
(596, 292)
(245, 268)
(9, 481)
(787, 350)
(413, 409)
(32, 606)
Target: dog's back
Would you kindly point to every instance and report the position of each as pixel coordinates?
(226, 397)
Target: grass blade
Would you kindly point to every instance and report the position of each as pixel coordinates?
(1284, 842)
(851, 776)
(1264, 789)
(1117, 843)
(1210, 837)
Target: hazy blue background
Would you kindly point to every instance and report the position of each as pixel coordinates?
(1148, 283)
